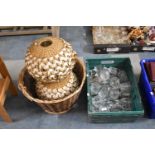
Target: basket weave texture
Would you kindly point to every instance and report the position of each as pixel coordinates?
(57, 90)
(26, 84)
(50, 59)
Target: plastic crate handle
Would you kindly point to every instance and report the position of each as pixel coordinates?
(103, 62)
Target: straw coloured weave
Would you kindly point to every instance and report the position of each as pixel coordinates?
(27, 85)
(53, 75)
(57, 90)
(50, 59)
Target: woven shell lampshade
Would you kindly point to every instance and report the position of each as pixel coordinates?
(50, 59)
(57, 90)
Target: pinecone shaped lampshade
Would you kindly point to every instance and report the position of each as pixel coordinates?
(50, 59)
(57, 90)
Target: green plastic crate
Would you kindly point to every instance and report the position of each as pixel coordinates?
(120, 116)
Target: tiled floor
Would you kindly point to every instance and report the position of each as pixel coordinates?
(28, 115)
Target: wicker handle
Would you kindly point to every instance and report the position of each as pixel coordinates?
(74, 56)
(20, 79)
(21, 84)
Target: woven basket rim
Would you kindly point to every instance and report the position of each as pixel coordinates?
(26, 94)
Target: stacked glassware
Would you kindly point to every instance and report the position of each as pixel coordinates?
(110, 89)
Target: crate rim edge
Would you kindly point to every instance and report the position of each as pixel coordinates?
(86, 59)
(117, 113)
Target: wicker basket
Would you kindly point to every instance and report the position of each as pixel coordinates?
(27, 85)
(50, 59)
